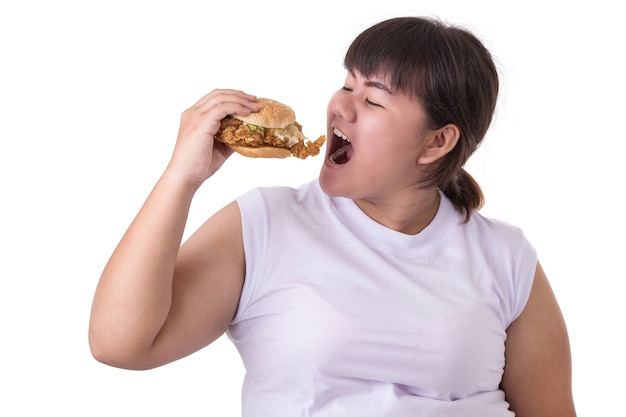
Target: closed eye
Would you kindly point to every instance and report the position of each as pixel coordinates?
(371, 103)
(367, 100)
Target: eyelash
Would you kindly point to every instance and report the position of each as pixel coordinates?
(368, 101)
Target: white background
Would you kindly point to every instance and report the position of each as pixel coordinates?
(90, 98)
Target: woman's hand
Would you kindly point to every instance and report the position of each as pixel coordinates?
(196, 155)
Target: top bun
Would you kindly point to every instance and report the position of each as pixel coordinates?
(273, 114)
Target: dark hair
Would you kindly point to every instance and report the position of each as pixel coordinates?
(451, 73)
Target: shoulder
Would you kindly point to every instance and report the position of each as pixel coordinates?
(499, 237)
(282, 193)
(281, 199)
(495, 228)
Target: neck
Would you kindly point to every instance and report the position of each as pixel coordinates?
(409, 216)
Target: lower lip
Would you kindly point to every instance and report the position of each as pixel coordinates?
(328, 163)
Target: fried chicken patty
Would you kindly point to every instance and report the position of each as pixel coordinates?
(234, 132)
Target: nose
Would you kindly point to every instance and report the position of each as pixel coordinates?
(341, 105)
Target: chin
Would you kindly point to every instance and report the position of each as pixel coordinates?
(332, 183)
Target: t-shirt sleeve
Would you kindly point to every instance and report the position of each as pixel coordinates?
(254, 223)
(524, 268)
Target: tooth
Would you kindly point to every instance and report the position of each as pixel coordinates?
(340, 134)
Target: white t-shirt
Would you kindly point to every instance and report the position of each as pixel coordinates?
(341, 316)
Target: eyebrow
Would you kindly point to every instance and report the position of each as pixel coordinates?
(378, 85)
(375, 84)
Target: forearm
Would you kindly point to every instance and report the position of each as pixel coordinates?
(134, 294)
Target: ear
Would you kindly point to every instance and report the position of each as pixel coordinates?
(439, 143)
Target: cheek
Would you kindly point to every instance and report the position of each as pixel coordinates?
(388, 158)
(392, 159)
(395, 145)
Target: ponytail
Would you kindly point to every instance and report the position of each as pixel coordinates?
(464, 193)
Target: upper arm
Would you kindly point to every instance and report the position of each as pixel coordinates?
(207, 285)
(537, 374)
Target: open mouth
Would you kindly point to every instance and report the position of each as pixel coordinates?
(340, 147)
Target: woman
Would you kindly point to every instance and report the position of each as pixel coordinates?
(377, 290)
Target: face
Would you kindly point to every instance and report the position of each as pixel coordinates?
(375, 140)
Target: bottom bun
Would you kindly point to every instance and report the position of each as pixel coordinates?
(261, 152)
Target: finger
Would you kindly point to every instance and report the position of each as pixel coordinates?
(226, 95)
(219, 104)
(216, 92)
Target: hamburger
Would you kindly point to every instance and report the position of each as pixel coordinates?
(272, 132)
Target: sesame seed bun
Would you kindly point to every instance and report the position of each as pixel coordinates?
(272, 114)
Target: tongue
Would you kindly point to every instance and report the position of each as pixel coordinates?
(342, 155)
